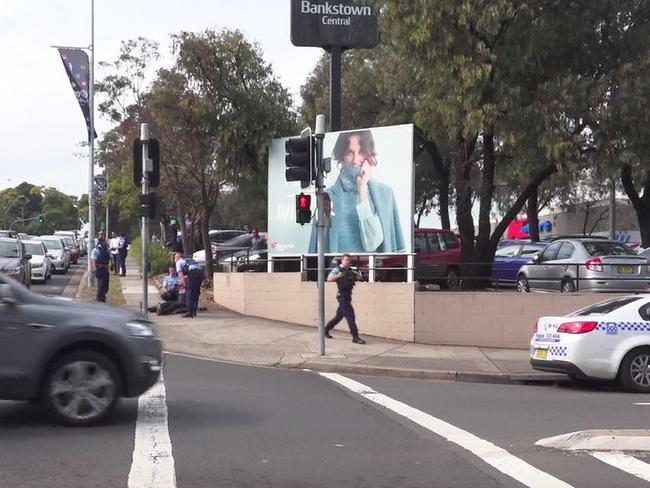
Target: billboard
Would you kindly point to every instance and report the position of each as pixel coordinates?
(325, 23)
(371, 192)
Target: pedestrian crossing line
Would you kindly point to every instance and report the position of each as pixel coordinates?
(153, 463)
(624, 462)
(491, 454)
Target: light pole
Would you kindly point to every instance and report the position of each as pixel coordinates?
(6, 210)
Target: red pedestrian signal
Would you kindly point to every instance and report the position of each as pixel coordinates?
(303, 209)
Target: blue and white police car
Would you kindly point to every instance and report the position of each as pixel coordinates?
(609, 340)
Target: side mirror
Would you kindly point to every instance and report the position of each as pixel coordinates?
(48, 255)
(536, 258)
(28, 256)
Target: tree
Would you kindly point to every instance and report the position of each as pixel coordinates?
(493, 71)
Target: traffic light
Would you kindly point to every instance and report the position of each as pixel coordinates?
(148, 205)
(41, 219)
(300, 159)
(154, 155)
(303, 209)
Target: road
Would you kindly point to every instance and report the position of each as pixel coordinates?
(58, 283)
(242, 426)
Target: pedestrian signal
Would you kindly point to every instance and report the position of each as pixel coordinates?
(303, 209)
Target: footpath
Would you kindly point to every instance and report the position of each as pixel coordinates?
(224, 335)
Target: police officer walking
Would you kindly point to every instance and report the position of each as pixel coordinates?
(100, 257)
(192, 277)
(345, 280)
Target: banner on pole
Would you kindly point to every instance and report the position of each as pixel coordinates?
(75, 62)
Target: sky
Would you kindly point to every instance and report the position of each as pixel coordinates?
(41, 125)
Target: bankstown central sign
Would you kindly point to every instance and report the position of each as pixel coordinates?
(320, 23)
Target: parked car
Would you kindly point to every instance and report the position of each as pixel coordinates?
(437, 260)
(76, 242)
(221, 236)
(72, 249)
(585, 264)
(77, 359)
(645, 253)
(509, 259)
(58, 252)
(219, 251)
(12, 234)
(14, 260)
(245, 260)
(41, 262)
(608, 340)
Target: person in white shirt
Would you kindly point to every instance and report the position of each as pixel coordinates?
(113, 244)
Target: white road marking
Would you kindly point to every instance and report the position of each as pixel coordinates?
(642, 403)
(625, 463)
(493, 455)
(153, 463)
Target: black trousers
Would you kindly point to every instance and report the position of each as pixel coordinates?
(102, 276)
(193, 290)
(346, 311)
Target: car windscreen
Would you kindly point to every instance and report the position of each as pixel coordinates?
(9, 250)
(604, 307)
(606, 248)
(53, 244)
(34, 249)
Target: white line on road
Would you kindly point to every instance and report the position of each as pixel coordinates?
(642, 403)
(153, 463)
(625, 463)
(491, 454)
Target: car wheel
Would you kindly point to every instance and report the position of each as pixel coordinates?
(452, 280)
(634, 374)
(568, 286)
(522, 284)
(81, 388)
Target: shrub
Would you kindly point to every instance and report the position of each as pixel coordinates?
(159, 258)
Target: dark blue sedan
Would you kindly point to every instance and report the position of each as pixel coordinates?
(509, 259)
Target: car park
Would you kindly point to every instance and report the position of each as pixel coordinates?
(509, 259)
(225, 249)
(58, 252)
(76, 359)
(609, 340)
(221, 236)
(14, 260)
(438, 260)
(250, 260)
(585, 264)
(41, 262)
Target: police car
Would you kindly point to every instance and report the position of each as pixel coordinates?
(609, 340)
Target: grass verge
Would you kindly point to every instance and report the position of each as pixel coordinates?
(114, 296)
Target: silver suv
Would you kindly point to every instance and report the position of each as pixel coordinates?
(585, 264)
(77, 359)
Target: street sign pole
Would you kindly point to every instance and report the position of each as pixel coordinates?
(335, 88)
(146, 167)
(91, 143)
(320, 189)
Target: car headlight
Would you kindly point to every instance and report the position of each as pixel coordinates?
(16, 270)
(140, 329)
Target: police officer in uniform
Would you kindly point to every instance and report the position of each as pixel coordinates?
(345, 279)
(193, 277)
(100, 257)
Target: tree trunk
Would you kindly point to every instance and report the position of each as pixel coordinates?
(641, 204)
(205, 223)
(533, 216)
(185, 238)
(443, 199)
(464, 219)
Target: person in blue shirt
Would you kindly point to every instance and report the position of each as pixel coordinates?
(171, 285)
(364, 211)
(192, 276)
(100, 257)
(345, 278)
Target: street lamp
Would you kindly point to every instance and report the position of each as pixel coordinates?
(6, 210)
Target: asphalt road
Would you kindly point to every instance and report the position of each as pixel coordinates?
(241, 426)
(57, 284)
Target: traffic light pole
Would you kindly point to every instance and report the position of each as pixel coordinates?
(320, 190)
(144, 137)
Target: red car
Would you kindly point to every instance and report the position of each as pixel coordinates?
(437, 261)
(74, 250)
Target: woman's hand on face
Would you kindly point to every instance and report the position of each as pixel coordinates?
(365, 173)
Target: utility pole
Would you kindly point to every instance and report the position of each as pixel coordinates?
(320, 190)
(147, 166)
(91, 143)
(612, 208)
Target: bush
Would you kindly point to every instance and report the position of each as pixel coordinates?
(159, 258)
